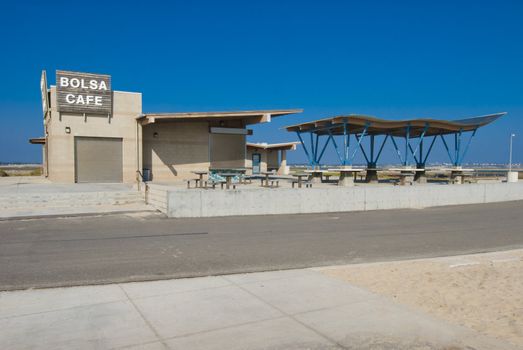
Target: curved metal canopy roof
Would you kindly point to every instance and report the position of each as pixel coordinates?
(356, 124)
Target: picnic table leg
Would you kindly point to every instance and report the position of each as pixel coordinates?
(299, 182)
(228, 183)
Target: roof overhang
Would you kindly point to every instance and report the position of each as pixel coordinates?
(248, 117)
(37, 141)
(288, 146)
(356, 124)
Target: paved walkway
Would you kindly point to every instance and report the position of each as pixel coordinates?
(293, 309)
(59, 212)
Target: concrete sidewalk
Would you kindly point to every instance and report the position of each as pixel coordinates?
(71, 211)
(293, 309)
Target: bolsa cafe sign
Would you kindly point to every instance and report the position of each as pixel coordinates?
(83, 92)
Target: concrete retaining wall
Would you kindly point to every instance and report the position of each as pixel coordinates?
(156, 196)
(68, 199)
(245, 201)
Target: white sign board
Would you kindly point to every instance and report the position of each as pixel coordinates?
(43, 91)
(84, 92)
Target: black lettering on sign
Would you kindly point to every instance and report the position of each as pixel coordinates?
(84, 92)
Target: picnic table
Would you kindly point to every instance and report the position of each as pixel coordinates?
(239, 172)
(347, 175)
(228, 179)
(407, 174)
(267, 174)
(458, 175)
(316, 174)
(299, 180)
(200, 173)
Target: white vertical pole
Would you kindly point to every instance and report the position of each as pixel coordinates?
(510, 153)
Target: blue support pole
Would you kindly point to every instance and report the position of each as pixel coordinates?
(324, 147)
(407, 143)
(346, 144)
(313, 163)
(467, 146)
(336, 148)
(396, 147)
(419, 164)
(361, 147)
(458, 147)
(359, 143)
(371, 148)
(430, 149)
(447, 148)
(413, 153)
(304, 148)
(381, 149)
(419, 142)
(316, 160)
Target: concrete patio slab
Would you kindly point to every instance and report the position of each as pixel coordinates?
(157, 288)
(45, 300)
(203, 310)
(382, 324)
(281, 333)
(295, 309)
(101, 326)
(244, 278)
(306, 293)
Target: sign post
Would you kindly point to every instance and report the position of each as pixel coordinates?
(45, 95)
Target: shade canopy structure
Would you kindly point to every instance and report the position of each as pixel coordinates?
(363, 127)
(356, 124)
(37, 141)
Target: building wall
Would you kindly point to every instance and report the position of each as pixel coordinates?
(227, 151)
(273, 160)
(177, 149)
(127, 106)
(248, 158)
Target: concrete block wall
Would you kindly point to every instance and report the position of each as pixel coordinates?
(71, 199)
(122, 124)
(249, 201)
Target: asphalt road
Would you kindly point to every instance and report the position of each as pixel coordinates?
(91, 250)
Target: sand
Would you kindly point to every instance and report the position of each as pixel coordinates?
(483, 291)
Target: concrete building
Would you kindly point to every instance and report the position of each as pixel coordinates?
(95, 134)
(263, 157)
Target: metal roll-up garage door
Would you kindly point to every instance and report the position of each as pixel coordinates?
(98, 159)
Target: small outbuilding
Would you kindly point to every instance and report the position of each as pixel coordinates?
(263, 157)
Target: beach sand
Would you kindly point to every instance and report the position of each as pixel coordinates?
(482, 291)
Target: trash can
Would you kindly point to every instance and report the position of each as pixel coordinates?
(146, 174)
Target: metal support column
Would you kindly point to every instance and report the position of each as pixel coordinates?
(304, 148)
(407, 143)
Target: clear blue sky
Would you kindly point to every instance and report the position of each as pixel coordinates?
(391, 59)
